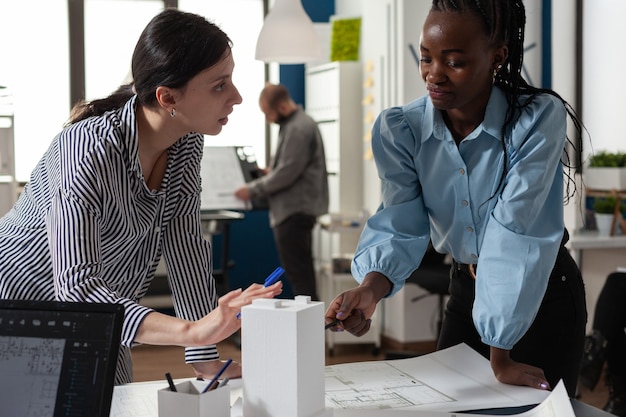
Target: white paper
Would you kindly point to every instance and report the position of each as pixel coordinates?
(221, 175)
(453, 379)
(557, 404)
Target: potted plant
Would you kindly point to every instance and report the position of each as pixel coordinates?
(604, 209)
(606, 171)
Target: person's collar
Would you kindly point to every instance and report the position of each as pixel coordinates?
(128, 118)
(288, 117)
(435, 126)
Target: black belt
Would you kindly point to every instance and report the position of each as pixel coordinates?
(468, 269)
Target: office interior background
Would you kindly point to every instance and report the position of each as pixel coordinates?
(573, 46)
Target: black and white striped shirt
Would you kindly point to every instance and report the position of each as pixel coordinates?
(87, 228)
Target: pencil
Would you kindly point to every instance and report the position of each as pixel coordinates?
(217, 376)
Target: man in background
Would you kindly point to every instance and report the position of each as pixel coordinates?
(295, 185)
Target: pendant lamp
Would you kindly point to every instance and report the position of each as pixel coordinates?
(288, 35)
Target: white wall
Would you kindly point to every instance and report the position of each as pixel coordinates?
(604, 84)
(564, 82)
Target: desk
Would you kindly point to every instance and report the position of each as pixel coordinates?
(218, 222)
(140, 400)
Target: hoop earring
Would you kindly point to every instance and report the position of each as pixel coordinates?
(173, 113)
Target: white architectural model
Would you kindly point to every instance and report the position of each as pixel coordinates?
(283, 360)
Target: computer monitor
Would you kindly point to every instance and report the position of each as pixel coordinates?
(58, 358)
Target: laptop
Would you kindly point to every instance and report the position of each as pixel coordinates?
(58, 358)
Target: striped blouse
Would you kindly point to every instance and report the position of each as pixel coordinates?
(87, 228)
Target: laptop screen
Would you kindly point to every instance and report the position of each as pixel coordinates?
(58, 359)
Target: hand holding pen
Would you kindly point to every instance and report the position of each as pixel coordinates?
(270, 280)
(354, 308)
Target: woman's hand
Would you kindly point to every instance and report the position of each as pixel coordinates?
(223, 321)
(354, 308)
(510, 372)
(162, 329)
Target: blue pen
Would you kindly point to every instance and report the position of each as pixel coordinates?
(217, 375)
(274, 276)
(271, 279)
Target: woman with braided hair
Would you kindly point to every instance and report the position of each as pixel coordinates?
(477, 166)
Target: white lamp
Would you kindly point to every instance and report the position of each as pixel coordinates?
(288, 35)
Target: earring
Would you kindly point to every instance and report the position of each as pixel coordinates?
(173, 113)
(496, 70)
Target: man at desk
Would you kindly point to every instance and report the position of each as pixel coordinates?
(296, 186)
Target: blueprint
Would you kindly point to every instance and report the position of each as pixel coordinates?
(30, 369)
(377, 385)
(557, 404)
(453, 379)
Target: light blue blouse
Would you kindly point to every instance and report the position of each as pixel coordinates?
(433, 189)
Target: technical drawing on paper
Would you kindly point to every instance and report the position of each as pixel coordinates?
(135, 400)
(387, 387)
(30, 369)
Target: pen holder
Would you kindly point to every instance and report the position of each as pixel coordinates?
(188, 401)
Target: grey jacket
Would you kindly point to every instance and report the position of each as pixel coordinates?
(298, 180)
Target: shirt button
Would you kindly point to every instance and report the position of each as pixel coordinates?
(157, 229)
(464, 203)
(461, 171)
(470, 229)
(563, 278)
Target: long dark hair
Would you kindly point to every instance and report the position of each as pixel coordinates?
(173, 48)
(504, 22)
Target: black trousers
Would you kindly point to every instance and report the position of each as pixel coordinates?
(610, 320)
(294, 241)
(555, 339)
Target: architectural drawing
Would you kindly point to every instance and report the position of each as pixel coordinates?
(390, 387)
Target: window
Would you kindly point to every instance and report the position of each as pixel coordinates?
(35, 67)
(242, 21)
(113, 27)
(36, 64)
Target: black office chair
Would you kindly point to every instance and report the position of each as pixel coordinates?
(433, 275)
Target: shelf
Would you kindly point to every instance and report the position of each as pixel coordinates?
(591, 240)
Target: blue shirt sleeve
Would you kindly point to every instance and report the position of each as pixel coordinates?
(395, 238)
(525, 228)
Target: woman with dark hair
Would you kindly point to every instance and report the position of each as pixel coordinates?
(119, 187)
(475, 165)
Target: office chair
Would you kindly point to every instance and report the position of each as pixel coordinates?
(434, 278)
(433, 275)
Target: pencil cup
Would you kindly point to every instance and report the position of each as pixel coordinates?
(188, 401)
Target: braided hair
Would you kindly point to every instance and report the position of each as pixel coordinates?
(504, 23)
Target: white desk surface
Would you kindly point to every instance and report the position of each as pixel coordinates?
(461, 374)
(140, 399)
